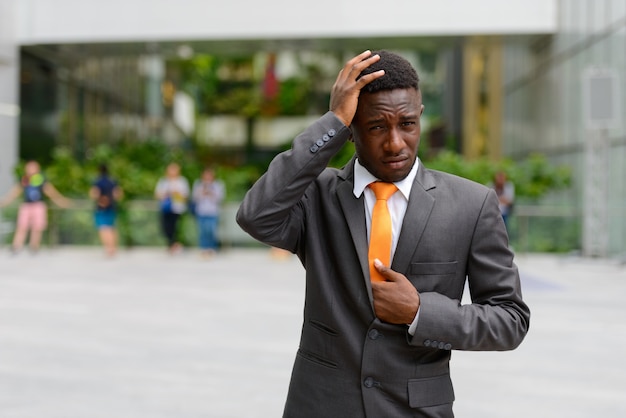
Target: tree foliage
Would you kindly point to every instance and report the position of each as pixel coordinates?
(533, 177)
(137, 166)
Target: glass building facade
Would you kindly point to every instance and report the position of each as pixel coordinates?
(552, 104)
(497, 89)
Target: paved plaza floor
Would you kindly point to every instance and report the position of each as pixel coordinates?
(147, 335)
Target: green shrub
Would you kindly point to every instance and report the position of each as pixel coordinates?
(533, 177)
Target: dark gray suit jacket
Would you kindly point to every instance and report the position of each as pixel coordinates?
(349, 363)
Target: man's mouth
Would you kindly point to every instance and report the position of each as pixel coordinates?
(395, 161)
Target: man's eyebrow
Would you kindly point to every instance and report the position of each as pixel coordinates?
(375, 120)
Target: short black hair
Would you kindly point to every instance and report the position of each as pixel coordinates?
(103, 169)
(399, 73)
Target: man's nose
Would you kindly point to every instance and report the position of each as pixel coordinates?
(394, 141)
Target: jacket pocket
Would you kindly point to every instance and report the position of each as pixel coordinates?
(320, 326)
(436, 277)
(434, 269)
(315, 358)
(430, 391)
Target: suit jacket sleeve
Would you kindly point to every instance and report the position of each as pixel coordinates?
(272, 211)
(497, 318)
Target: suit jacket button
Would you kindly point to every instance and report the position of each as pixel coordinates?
(441, 345)
(368, 382)
(448, 347)
(427, 343)
(319, 143)
(314, 148)
(331, 132)
(325, 138)
(373, 334)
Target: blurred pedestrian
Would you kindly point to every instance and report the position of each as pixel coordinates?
(106, 193)
(506, 195)
(32, 215)
(207, 196)
(172, 191)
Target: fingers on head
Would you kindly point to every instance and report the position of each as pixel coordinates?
(355, 66)
(360, 58)
(361, 61)
(368, 78)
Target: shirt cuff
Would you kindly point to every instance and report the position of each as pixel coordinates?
(413, 325)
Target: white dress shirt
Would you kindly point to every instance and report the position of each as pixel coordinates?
(397, 205)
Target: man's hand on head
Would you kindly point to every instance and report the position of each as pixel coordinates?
(344, 96)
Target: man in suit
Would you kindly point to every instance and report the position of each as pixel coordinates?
(381, 347)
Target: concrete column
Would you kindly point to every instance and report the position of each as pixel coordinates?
(153, 69)
(473, 67)
(494, 99)
(482, 97)
(9, 100)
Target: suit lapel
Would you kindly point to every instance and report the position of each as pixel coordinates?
(418, 211)
(354, 214)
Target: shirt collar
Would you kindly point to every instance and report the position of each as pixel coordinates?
(362, 178)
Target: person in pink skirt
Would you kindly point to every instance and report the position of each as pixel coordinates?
(32, 215)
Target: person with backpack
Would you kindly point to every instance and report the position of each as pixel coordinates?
(106, 193)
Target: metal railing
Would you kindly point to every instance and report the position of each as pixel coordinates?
(545, 228)
(532, 228)
(138, 225)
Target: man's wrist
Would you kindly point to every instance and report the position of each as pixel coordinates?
(413, 325)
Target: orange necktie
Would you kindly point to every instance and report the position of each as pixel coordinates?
(380, 233)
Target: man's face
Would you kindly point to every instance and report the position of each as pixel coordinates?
(172, 170)
(386, 132)
(31, 168)
(208, 175)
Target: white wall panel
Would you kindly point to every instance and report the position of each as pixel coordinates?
(45, 21)
(9, 109)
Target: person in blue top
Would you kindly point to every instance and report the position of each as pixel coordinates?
(106, 192)
(207, 195)
(32, 214)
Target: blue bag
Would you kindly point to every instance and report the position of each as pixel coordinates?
(166, 205)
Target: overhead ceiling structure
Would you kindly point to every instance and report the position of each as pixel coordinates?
(170, 28)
